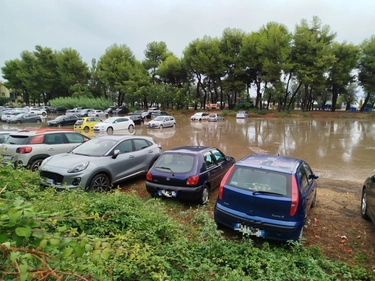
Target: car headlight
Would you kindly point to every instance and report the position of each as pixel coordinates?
(79, 167)
(46, 160)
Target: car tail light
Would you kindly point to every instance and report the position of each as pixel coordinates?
(223, 181)
(294, 202)
(192, 180)
(149, 176)
(24, 150)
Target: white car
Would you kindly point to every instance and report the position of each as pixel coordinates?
(38, 111)
(113, 124)
(162, 121)
(97, 113)
(242, 114)
(199, 116)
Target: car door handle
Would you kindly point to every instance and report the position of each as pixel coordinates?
(131, 156)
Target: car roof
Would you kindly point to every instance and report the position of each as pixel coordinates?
(190, 149)
(270, 162)
(28, 132)
(123, 137)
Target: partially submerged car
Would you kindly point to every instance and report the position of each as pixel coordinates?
(368, 199)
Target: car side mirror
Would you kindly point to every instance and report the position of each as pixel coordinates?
(373, 178)
(313, 176)
(115, 153)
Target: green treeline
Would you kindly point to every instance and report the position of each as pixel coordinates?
(286, 69)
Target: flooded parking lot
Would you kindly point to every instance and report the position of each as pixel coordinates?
(336, 149)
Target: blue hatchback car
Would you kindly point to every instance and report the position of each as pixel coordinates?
(267, 196)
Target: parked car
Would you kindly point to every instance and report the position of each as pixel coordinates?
(147, 114)
(137, 119)
(188, 172)
(25, 118)
(86, 123)
(242, 114)
(214, 117)
(97, 113)
(29, 148)
(84, 112)
(199, 116)
(162, 122)
(121, 110)
(114, 124)
(62, 120)
(38, 111)
(368, 199)
(110, 110)
(9, 114)
(56, 109)
(100, 163)
(267, 196)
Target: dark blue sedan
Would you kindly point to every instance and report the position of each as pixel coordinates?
(267, 196)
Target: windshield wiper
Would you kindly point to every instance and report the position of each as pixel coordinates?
(166, 168)
(268, 192)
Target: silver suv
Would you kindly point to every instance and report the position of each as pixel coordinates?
(30, 147)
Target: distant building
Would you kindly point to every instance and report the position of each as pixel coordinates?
(13, 96)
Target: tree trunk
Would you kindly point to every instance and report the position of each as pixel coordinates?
(334, 97)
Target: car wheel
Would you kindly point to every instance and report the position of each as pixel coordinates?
(131, 127)
(44, 114)
(86, 129)
(204, 195)
(313, 203)
(160, 126)
(18, 122)
(110, 131)
(59, 125)
(174, 126)
(100, 183)
(36, 164)
(364, 205)
(38, 121)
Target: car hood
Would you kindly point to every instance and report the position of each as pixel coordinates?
(65, 160)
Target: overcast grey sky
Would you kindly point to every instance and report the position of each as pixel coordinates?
(91, 26)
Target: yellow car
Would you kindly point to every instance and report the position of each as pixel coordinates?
(86, 123)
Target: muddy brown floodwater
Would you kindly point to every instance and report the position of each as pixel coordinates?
(340, 151)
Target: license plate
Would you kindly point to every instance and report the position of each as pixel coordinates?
(50, 181)
(167, 193)
(7, 158)
(249, 230)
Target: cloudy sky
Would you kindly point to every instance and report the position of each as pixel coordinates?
(91, 26)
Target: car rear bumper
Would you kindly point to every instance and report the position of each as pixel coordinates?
(182, 192)
(273, 229)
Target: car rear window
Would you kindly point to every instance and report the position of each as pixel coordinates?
(178, 163)
(260, 180)
(12, 139)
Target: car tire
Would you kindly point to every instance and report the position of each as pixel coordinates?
(174, 126)
(109, 130)
(204, 195)
(160, 126)
(86, 129)
(131, 127)
(99, 183)
(364, 213)
(59, 125)
(313, 203)
(36, 164)
(38, 121)
(44, 114)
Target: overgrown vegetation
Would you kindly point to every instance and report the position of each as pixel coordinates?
(84, 102)
(74, 235)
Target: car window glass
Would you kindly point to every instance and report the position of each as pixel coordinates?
(74, 138)
(257, 180)
(176, 163)
(140, 144)
(208, 160)
(219, 157)
(304, 183)
(308, 171)
(125, 146)
(17, 140)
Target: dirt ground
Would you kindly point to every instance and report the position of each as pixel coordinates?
(335, 223)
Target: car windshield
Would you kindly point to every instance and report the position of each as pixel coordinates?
(110, 120)
(95, 147)
(213, 115)
(259, 181)
(159, 118)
